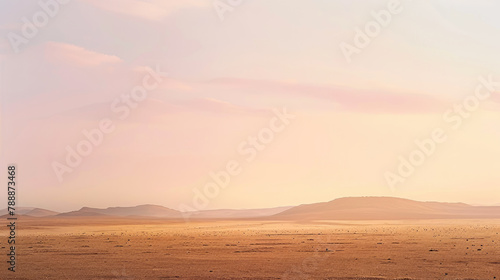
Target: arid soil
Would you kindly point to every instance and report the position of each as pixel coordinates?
(112, 248)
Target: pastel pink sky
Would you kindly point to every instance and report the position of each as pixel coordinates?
(353, 120)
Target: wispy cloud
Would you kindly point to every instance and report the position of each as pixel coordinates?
(154, 10)
(369, 101)
(72, 54)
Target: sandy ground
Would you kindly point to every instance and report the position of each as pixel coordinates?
(80, 248)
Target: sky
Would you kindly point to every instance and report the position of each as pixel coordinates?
(325, 122)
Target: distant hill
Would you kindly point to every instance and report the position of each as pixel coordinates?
(19, 210)
(164, 212)
(80, 213)
(141, 210)
(39, 212)
(386, 208)
(30, 211)
(349, 208)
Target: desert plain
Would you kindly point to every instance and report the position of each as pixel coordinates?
(152, 248)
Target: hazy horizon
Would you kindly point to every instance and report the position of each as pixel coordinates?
(279, 206)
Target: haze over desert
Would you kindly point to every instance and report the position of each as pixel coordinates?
(249, 139)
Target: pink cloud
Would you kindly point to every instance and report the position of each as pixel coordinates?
(57, 52)
(218, 106)
(152, 10)
(370, 101)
